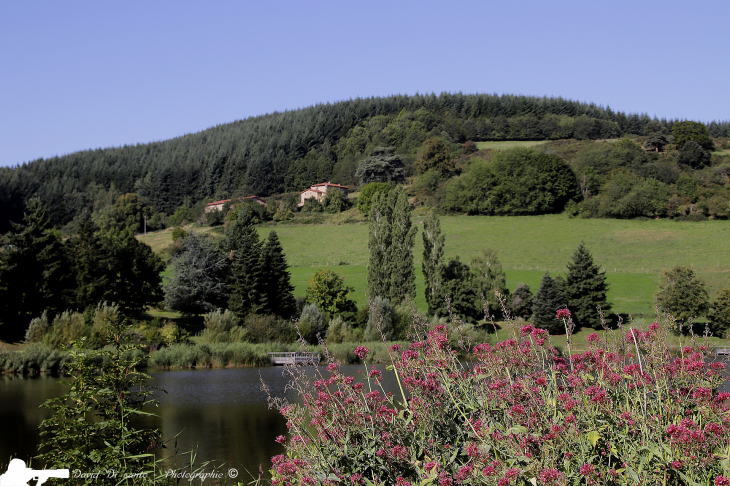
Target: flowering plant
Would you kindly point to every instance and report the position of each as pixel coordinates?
(626, 411)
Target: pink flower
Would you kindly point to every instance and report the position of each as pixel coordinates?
(395, 348)
(361, 352)
(563, 314)
(593, 337)
(722, 481)
(586, 469)
(281, 439)
(676, 465)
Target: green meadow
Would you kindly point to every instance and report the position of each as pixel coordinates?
(633, 253)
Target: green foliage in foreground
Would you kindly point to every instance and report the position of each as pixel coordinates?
(99, 424)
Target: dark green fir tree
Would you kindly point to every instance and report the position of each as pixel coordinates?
(90, 262)
(585, 289)
(277, 291)
(242, 243)
(545, 305)
(34, 273)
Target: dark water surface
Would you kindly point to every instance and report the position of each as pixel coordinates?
(222, 414)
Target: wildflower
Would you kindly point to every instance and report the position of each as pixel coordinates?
(722, 481)
(395, 348)
(563, 314)
(586, 469)
(356, 478)
(525, 330)
(429, 466)
(549, 475)
(488, 471)
(281, 439)
(332, 367)
(593, 337)
(676, 465)
(399, 481)
(361, 352)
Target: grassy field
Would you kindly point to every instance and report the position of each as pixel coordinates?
(633, 252)
(508, 144)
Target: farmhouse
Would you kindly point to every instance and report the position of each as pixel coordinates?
(218, 205)
(318, 191)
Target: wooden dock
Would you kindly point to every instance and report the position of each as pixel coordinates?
(724, 351)
(294, 358)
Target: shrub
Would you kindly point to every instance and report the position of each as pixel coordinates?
(218, 326)
(268, 328)
(340, 331)
(178, 234)
(37, 329)
(382, 319)
(624, 412)
(311, 324)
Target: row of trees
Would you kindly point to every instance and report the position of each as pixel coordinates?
(288, 151)
(241, 273)
(40, 272)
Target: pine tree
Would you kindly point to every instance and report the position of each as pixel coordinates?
(545, 306)
(90, 263)
(586, 289)
(433, 252)
(277, 292)
(242, 241)
(34, 273)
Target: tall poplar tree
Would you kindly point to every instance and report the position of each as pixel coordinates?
(403, 238)
(277, 291)
(545, 306)
(433, 252)
(391, 274)
(90, 262)
(585, 289)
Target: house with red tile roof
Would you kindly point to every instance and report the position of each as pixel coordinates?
(318, 191)
(218, 205)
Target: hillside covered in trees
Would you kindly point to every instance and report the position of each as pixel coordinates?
(286, 152)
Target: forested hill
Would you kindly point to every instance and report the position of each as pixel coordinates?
(287, 151)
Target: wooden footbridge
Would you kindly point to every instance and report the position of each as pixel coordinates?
(294, 358)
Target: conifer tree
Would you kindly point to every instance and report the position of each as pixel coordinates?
(545, 305)
(433, 252)
(585, 289)
(34, 273)
(277, 292)
(198, 283)
(242, 242)
(682, 294)
(90, 263)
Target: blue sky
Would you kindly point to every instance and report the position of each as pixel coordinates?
(77, 75)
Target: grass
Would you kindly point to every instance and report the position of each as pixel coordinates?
(632, 252)
(508, 144)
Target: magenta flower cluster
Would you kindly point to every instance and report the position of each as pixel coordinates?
(629, 410)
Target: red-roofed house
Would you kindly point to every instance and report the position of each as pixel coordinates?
(218, 205)
(318, 191)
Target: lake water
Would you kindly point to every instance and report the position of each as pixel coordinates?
(222, 414)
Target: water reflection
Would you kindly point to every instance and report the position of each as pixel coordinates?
(221, 414)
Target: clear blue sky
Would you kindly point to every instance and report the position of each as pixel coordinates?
(76, 75)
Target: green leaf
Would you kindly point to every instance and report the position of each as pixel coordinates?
(593, 437)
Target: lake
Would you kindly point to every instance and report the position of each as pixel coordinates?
(222, 414)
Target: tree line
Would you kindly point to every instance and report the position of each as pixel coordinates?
(288, 151)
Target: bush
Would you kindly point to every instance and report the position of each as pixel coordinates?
(218, 326)
(269, 328)
(340, 331)
(311, 324)
(382, 319)
(311, 205)
(178, 234)
(514, 413)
